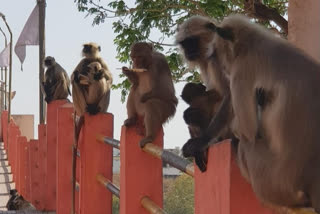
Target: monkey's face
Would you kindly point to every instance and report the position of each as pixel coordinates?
(191, 47)
(90, 50)
(141, 55)
(195, 39)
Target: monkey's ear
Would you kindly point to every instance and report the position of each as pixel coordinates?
(99, 48)
(225, 33)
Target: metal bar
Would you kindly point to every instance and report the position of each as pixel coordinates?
(5, 88)
(110, 141)
(171, 158)
(178, 162)
(42, 15)
(10, 65)
(109, 185)
(299, 211)
(150, 206)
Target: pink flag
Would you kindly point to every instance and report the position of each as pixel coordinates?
(29, 35)
(4, 56)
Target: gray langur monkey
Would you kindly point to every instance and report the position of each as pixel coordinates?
(90, 87)
(277, 85)
(57, 83)
(152, 94)
(195, 41)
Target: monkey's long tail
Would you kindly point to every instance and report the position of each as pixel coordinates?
(77, 129)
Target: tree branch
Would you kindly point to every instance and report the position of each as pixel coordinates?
(256, 9)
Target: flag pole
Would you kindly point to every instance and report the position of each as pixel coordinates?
(42, 15)
(4, 69)
(10, 66)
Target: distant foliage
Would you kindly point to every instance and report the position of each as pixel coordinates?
(156, 21)
(179, 197)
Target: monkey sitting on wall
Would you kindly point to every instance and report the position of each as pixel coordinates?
(152, 94)
(282, 164)
(195, 41)
(91, 83)
(57, 82)
(203, 106)
(17, 202)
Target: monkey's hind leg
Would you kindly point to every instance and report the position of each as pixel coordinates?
(93, 109)
(131, 111)
(153, 119)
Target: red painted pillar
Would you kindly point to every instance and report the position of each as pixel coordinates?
(38, 163)
(52, 153)
(22, 143)
(64, 158)
(96, 158)
(222, 189)
(27, 171)
(4, 126)
(19, 160)
(13, 134)
(141, 173)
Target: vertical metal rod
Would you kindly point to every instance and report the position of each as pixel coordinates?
(5, 70)
(5, 88)
(42, 15)
(10, 67)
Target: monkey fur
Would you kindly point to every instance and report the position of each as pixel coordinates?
(152, 94)
(57, 83)
(194, 40)
(203, 106)
(283, 165)
(94, 96)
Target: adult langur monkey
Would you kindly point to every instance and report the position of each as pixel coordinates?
(91, 82)
(282, 164)
(195, 42)
(57, 82)
(80, 90)
(152, 94)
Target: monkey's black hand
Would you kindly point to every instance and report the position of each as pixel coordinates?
(201, 159)
(92, 109)
(193, 116)
(195, 145)
(76, 76)
(48, 99)
(98, 76)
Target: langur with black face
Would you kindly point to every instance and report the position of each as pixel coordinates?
(152, 94)
(275, 96)
(57, 83)
(81, 90)
(195, 40)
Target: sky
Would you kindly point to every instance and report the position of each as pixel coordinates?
(66, 31)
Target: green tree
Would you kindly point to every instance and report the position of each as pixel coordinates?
(179, 198)
(156, 21)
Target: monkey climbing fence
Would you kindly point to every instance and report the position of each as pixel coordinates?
(42, 169)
